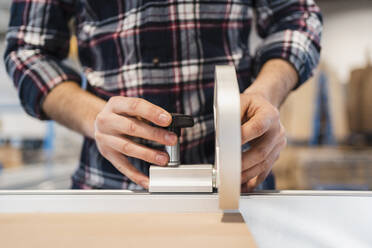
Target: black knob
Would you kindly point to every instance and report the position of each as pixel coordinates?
(179, 121)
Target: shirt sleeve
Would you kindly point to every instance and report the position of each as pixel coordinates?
(38, 40)
(291, 31)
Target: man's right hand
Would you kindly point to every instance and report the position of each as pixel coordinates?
(123, 118)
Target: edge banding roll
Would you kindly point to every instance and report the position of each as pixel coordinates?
(228, 136)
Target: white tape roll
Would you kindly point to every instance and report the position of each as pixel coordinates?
(228, 136)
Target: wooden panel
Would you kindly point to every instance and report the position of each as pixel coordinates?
(188, 230)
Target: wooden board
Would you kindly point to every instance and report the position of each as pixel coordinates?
(138, 230)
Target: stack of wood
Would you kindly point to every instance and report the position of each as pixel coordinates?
(10, 157)
(298, 111)
(359, 103)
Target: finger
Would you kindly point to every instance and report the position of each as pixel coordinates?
(244, 188)
(264, 166)
(122, 164)
(254, 171)
(247, 187)
(263, 175)
(258, 124)
(261, 178)
(261, 148)
(251, 184)
(141, 108)
(267, 171)
(132, 149)
(118, 124)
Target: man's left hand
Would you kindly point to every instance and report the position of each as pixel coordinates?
(261, 127)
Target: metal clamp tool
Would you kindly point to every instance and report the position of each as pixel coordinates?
(224, 175)
(178, 121)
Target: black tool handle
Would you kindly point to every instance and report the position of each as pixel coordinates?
(180, 121)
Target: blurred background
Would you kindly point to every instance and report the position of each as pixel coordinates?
(328, 120)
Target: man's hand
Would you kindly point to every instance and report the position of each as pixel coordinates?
(112, 124)
(261, 126)
(121, 119)
(262, 129)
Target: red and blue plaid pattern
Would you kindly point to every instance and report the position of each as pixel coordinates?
(161, 50)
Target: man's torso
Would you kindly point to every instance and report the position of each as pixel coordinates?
(164, 52)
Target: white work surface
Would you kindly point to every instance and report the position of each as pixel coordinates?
(281, 219)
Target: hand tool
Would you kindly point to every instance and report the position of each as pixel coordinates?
(178, 121)
(224, 175)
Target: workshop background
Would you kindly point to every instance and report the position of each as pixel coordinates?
(328, 120)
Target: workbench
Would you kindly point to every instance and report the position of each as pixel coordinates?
(275, 219)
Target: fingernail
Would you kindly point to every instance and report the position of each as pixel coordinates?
(164, 118)
(161, 159)
(171, 138)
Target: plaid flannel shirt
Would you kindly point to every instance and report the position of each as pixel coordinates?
(161, 50)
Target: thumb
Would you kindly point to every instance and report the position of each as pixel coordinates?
(255, 127)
